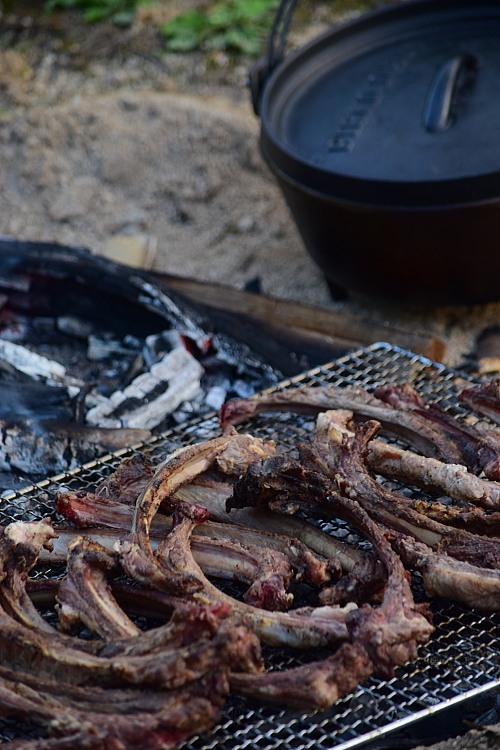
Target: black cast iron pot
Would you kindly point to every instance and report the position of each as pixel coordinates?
(384, 135)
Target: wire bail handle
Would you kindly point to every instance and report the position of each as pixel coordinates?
(275, 52)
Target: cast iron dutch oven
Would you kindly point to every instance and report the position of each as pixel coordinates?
(384, 135)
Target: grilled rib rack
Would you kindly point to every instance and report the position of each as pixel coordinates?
(462, 659)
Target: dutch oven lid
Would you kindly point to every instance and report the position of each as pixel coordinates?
(400, 107)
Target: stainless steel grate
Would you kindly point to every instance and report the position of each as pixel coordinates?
(463, 656)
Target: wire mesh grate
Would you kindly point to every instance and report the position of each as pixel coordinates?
(463, 656)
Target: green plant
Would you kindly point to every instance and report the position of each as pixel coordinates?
(230, 24)
(97, 10)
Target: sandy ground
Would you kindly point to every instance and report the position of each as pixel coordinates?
(183, 170)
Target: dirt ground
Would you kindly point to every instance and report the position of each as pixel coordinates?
(104, 139)
(118, 140)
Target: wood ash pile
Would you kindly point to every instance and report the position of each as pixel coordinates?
(95, 356)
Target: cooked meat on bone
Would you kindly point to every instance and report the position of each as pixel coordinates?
(133, 599)
(266, 572)
(128, 480)
(412, 426)
(24, 649)
(181, 669)
(53, 654)
(187, 622)
(484, 399)
(152, 720)
(481, 448)
(308, 541)
(287, 486)
(20, 545)
(173, 563)
(474, 520)
(345, 466)
(336, 424)
(173, 569)
(85, 596)
(436, 477)
(381, 638)
(105, 507)
(88, 510)
(447, 577)
(312, 686)
(332, 475)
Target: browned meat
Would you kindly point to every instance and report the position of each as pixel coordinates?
(427, 473)
(104, 719)
(313, 686)
(220, 549)
(87, 509)
(20, 545)
(24, 649)
(240, 452)
(147, 690)
(85, 596)
(365, 583)
(481, 448)
(447, 577)
(302, 545)
(345, 466)
(327, 467)
(475, 520)
(128, 481)
(221, 557)
(381, 638)
(429, 436)
(173, 565)
(484, 399)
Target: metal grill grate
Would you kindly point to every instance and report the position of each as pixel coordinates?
(461, 660)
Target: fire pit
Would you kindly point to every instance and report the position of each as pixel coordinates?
(95, 356)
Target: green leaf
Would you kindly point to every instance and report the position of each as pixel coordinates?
(221, 15)
(242, 41)
(247, 9)
(191, 22)
(239, 25)
(92, 15)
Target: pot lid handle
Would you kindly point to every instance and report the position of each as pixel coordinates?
(453, 79)
(275, 52)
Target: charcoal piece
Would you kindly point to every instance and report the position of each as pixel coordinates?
(34, 399)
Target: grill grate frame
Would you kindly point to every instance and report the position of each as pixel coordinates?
(462, 658)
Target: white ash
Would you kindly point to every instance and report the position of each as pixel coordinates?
(153, 395)
(36, 366)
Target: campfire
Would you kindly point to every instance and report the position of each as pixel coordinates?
(95, 357)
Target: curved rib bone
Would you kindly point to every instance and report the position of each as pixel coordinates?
(427, 473)
(481, 448)
(345, 466)
(321, 626)
(220, 558)
(412, 427)
(85, 596)
(178, 571)
(380, 638)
